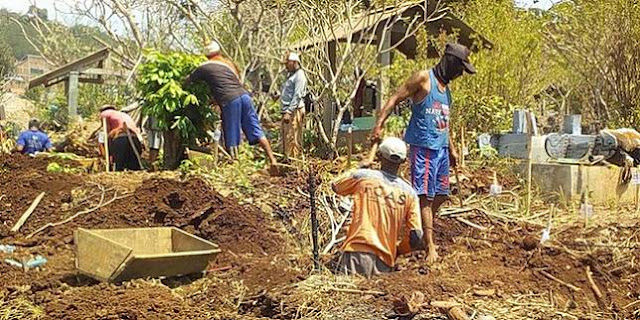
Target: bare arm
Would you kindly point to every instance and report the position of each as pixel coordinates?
(408, 89)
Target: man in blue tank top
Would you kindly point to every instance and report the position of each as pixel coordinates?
(431, 149)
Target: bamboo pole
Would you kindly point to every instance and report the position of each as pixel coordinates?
(105, 132)
(529, 158)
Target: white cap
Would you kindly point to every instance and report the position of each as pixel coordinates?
(293, 57)
(393, 149)
(212, 48)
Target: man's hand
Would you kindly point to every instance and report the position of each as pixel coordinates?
(376, 134)
(432, 256)
(286, 118)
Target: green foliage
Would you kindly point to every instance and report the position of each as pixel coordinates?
(7, 61)
(11, 34)
(596, 44)
(509, 75)
(516, 68)
(59, 42)
(57, 168)
(396, 124)
(185, 109)
(51, 103)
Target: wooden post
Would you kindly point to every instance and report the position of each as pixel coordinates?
(72, 94)
(215, 151)
(105, 132)
(529, 119)
(350, 143)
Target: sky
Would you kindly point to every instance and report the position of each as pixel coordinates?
(21, 6)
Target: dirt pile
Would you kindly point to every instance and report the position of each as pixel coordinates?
(105, 301)
(192, 205)
(22, 178)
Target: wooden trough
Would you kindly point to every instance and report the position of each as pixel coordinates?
(121, 254)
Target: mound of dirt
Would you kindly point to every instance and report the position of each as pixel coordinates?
(105, 301)
(191, 205)
(22, 178)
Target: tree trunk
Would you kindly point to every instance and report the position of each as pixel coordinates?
(173, 150)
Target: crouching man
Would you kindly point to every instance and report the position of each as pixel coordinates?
(124, 138)
(385, 205)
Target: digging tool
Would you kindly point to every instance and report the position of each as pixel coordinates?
(456, 171)
(106, 143)
(366, 163)
(133, 146)
(314, 220)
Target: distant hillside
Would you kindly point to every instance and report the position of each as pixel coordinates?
(81, 37)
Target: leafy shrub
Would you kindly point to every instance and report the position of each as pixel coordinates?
(176, 107)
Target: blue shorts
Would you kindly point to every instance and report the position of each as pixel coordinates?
(240, 114)
(429, 171)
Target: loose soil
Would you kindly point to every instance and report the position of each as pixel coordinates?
(265, 254)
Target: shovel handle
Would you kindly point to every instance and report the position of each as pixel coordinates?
(457, 173)
(370, 157)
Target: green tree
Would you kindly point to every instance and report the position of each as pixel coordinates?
(510, 74)
(596, 43)
(7, 61)
(182, 112)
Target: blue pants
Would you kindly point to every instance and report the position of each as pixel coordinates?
(429, 171)
(239, 114)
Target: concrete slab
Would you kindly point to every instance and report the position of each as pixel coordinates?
(570, 181)
(514, 146)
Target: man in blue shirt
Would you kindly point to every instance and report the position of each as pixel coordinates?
(431, 149)
(33, 140)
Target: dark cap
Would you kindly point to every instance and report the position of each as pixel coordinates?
(462, 53)
(107, 107)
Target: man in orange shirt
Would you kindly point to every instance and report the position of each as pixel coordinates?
(384, 204)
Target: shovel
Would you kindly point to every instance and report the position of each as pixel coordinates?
(367, 162)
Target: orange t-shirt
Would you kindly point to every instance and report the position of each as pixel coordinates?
(383, 205)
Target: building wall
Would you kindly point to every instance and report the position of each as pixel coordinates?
(28, 68)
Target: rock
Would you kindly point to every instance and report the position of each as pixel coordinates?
(530, 242)
(266, 208)
(484, 293)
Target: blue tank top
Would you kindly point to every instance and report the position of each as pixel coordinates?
(429, 124)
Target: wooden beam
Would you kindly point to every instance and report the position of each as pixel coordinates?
(78, 65)
(103, 72)
(91, 80)
(372, 42)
